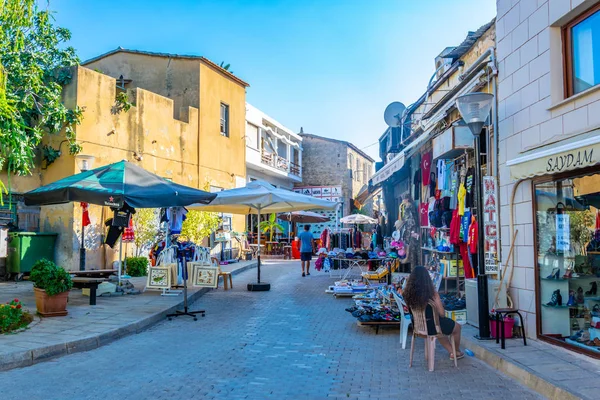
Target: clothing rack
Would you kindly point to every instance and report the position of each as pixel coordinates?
(200, 254)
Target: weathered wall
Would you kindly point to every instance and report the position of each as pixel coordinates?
(175, 78)
(222, 159)
(531, 110)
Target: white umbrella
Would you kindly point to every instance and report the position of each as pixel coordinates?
(261, 197)
(358, 219)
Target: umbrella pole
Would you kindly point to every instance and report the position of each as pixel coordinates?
(258, 287)
(290, 229)
(120, 257)
(258, 241)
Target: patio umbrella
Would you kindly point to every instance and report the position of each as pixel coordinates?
(302, 217)
(358, 219)
(261, 197)
(114, 185)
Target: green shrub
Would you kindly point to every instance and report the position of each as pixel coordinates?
(12, 316)
(137, 266)
(50, 277)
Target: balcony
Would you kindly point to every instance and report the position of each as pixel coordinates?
(280, 163)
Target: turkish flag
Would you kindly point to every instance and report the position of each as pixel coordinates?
(85, 218)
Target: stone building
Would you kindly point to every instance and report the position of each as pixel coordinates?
(331, 162)
(549, 135)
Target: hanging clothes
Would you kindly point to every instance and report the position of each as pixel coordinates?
(464, 254)
(454, 190)
(441, 174)
(455, 228)
(323, 238)
(417, 185)
(426, 168)
(432, 184)
(465, 223)
(462, 192)
(469, 198)
(473, 236)
(176, 217)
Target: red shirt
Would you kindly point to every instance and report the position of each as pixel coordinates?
(425, 168)
(473, 235)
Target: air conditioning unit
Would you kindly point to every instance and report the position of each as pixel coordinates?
(394, 140)
(473, 301)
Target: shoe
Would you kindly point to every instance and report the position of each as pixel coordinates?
(594, 290)
(571, 301)
(303, 274)
(568, 274)
(556, 299)
(308, 273)
(554, 274)
(580, 299)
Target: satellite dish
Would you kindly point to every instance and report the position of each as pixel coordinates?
(393, 114)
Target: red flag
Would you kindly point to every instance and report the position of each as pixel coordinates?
(85, 217)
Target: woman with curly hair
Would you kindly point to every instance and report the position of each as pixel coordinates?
(417, 293)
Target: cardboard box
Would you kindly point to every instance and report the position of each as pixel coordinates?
(460, 316)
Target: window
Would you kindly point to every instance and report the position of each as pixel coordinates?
(567, 249)
(365, 174)
(357, 171)
(581, 42)
(252, 135)
(224, 120)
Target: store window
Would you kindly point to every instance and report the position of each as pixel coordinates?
(581, 40)
(568, 260)
(224, 120)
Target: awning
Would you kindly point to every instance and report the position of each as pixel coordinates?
(365, 194)
(398, 162)
(575, 152)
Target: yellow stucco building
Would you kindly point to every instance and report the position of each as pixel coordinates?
(187, 124)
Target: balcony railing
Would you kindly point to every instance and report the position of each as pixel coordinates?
(280, 163)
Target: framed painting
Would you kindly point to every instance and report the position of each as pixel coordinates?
(159, 277)
(204, 275)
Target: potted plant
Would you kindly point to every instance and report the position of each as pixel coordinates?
(51, 285)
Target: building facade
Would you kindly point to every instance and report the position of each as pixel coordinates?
(332, 162)
(273, 152)
(192, 143)
(549, 120)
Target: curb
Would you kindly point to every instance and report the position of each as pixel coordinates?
(20, 359)
(520, 373)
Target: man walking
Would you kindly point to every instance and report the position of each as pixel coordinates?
(306, 248)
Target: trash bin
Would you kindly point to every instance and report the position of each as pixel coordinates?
(26, 248)
(296, 249)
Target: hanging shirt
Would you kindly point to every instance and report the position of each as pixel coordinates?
(455, 228)
(465, 222)
(426, 168)
(417, 185)
(176, 218)
(432, 184)
(453, 191)
(473, 235)
(469, 187)
(462, 192)
(441, 174)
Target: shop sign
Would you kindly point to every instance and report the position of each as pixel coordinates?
(563, 232)
(490, 224)
(3, 243)
(331, 193)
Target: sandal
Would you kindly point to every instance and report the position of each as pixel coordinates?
(460, 355)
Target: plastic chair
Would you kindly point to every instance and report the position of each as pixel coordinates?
(405, 321)
(420, 330)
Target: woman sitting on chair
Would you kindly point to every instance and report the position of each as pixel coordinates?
(418, 292)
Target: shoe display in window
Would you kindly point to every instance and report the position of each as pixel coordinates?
(556, 299)
(579, 298)
(594, 290)
(555, 274)
(571, 301)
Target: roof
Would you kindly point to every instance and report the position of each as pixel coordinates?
(353, 147)
(469, 41)
(169, 55)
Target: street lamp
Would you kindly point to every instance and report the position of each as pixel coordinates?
(84, 163)
(475, 108)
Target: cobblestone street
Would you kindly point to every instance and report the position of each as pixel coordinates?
(294, 342)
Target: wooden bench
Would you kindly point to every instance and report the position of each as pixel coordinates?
(88, 283)
(95, 273)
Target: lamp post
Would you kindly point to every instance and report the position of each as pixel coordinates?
(85, 163)
(475, 108)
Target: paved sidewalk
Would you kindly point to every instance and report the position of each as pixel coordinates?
(87, 327)
(293, 342)
(550, 370)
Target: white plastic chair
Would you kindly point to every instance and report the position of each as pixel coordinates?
(405, 320)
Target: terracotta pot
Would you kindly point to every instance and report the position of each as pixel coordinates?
(51, 306)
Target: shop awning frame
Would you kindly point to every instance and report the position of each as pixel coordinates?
(575, 152)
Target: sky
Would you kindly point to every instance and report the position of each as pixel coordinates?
(329, 66)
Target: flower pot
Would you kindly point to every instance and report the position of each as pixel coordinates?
(51, 306)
